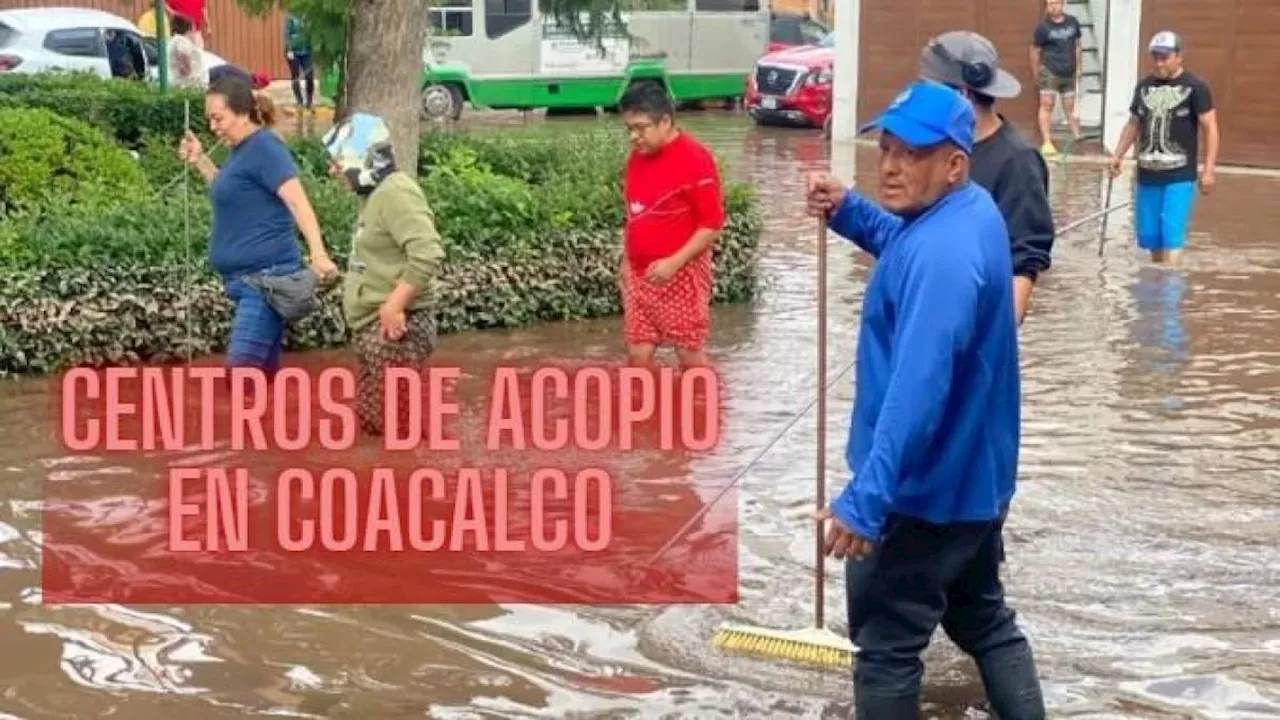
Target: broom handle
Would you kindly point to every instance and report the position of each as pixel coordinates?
(820, 493)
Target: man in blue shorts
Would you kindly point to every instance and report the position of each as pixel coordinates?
(1170, 108)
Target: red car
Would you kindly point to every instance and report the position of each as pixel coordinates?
(793, 86)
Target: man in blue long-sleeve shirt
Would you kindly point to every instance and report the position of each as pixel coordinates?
(933, 441)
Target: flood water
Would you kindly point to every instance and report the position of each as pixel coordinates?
(1142, 544)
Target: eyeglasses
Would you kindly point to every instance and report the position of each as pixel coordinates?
(638, 128)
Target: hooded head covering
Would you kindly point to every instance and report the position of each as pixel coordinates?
(361, 146)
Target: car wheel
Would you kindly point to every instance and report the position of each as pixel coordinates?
(441, 102)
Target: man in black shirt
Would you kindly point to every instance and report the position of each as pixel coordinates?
(1012, 171)
(1056, 63)
(1003, 162)
(1170, 108)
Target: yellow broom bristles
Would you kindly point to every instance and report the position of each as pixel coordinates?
(812, 646)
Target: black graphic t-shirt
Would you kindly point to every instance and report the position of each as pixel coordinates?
(1057, 42)
(1168, 112)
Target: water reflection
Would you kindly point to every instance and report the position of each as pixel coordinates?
(1158, 328)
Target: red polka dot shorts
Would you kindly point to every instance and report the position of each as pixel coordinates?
(677, 313)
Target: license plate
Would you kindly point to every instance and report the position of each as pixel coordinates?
(769, 103)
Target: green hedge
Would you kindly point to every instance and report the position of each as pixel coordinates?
(125, 111)
(47, 159)
(531, 226)
(55, 318)
(481, 212)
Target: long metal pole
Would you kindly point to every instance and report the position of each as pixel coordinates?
(162, 45)
(186, 227)
(1092, 217)
(1102, 234)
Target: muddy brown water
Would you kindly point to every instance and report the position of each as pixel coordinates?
(1142, 544)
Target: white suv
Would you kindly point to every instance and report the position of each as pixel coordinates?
(34, 40)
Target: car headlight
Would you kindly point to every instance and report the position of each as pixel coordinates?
(822, 77)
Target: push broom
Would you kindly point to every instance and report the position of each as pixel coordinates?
(816, 645)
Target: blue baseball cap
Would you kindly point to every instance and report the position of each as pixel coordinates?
(927, 113)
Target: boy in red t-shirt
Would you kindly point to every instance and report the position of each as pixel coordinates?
(675, 211)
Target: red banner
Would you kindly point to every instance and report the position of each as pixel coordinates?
(553, 484)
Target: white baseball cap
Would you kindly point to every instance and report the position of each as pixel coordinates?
(1165, 41)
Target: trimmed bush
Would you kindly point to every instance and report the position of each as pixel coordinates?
(480, 211)
(57, 318)
(50, 159)
(531, 226)
(124, 110)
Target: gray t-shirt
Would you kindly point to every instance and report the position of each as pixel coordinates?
(1057, 42)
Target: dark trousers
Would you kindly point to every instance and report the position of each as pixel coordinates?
(300, 65)
(922, 575)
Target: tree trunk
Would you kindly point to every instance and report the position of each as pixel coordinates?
(344, 74)
(340, 101)
(384, 69)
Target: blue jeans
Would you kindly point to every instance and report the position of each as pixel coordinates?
(922, 575)
(1163, 214)
(257, 331)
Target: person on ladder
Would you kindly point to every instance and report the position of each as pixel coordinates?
(1003, 162)
(1057, 62)
(933, 441)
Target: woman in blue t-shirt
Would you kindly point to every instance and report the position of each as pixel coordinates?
(259, 206)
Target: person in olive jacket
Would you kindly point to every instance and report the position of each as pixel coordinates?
(396, 256)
